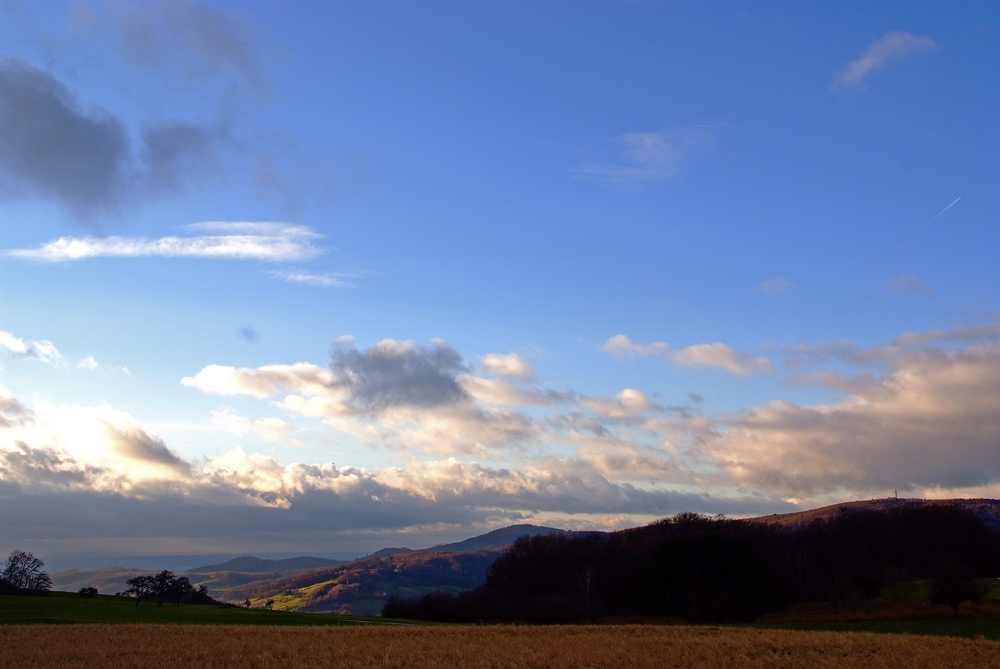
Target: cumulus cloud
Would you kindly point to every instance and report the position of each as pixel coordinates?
(264, 381)
(44, 351)
(891, 47)
(628, 405)
(904, 283)
(651, 157)
(95, 472)
(934, 420)
(716, 355)
(510, 366)
(269, 242)
(399, 373)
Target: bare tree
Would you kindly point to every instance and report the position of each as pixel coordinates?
(141, 587)
(23, 571)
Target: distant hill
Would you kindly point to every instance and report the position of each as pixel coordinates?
(361, 587)
(988, 510)
(107, 581)
(248, 564)
(495, 539)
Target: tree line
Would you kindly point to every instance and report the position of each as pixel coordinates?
(22, 573)
(707, 569)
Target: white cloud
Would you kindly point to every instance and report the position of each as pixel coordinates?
(775, 286)
(890, 47)
(42, 350)
(270, 242)
(629, 404)
(510, 366)
(319, 280)
(264, 381)
(88, 363)
(904, 283)
(716, 355)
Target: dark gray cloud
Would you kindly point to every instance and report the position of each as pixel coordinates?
(399, 374)
(54, 149)
(51, 147)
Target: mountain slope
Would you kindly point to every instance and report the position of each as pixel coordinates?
(248, 564)
(495, 539)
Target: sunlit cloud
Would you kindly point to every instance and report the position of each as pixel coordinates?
(269, 242)
(510, 366)
(933, 420)
(44, 351)
(890, 47)
(715, 355)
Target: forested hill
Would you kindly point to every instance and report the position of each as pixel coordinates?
(987, 510)
(712, 569)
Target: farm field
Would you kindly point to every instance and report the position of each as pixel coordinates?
(478, 646)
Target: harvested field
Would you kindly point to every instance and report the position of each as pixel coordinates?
(501, 646)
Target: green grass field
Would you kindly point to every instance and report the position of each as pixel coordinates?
(66, 607)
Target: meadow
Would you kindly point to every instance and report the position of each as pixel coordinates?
(478, 646)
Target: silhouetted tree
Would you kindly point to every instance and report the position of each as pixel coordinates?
(953, 584)
(23, 571)
(141, 587)
(89, 592)
(270, 605)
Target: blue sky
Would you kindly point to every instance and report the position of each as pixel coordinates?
(333, 276)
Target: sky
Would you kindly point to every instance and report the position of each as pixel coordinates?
(298, 277)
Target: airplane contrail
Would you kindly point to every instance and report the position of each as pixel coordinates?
(941, 212)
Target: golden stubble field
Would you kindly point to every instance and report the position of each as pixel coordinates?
(486, 646)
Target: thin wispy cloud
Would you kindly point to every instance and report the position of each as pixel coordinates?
(904, 283)
(650, 157)
(318, 280)
(775, 286)
(889, 48)
(269, 242)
